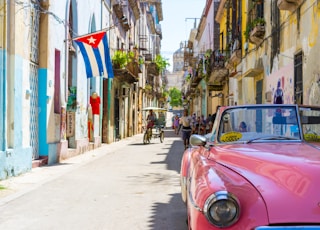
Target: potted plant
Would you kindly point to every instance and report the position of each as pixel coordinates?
(258, 22)
(120, 59)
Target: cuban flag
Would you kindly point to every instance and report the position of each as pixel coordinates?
(95, 51)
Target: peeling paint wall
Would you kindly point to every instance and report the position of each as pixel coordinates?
(281, 80)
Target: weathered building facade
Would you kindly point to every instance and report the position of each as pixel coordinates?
(52, 110)
(264, 52)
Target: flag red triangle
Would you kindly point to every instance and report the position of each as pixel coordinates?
(92, 39)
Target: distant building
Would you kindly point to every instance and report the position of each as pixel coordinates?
(175, 78)
(178, 59)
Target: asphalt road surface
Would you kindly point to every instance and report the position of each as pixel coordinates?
(124, 185)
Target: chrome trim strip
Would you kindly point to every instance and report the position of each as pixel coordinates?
(194, 203)
(287, 227)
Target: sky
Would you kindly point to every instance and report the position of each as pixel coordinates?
(179, 17)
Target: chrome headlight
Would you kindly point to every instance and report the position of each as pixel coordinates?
(222, 209)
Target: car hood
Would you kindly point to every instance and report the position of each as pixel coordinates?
(286, 175)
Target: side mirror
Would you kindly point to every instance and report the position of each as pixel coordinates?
(198, 140)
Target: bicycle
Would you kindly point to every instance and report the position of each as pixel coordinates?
(154, 132)
(157, 129)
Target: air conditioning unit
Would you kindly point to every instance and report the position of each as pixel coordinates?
(268, 96)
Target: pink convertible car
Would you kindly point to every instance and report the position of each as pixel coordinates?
(253, 172)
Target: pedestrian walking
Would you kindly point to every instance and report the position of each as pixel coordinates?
(185, 126)
(176, 124)
(202, 126)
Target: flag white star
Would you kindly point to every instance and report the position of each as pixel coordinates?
(91, 40)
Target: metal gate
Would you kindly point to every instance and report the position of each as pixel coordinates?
(33, 80)
(116, 119)
(34, 111)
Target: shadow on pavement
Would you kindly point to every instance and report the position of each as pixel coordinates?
(171, 215)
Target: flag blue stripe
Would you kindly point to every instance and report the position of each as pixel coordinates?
(85, 58)
(97, 55)
(107, 57)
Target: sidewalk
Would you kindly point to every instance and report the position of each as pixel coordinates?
(16, 186)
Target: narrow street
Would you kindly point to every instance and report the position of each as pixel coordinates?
(124, 185)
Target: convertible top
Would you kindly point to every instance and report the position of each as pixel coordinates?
(154, 109)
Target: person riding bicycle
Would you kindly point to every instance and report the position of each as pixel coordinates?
(151, 119)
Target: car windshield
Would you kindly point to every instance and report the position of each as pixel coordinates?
(259, 124)
(310, 122)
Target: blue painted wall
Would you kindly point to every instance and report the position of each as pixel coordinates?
(42, 102)
(3, 93)
(18, 103)
(18, 159)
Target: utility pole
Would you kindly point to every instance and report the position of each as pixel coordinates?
(195, 21)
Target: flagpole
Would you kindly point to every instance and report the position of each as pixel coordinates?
(109, 103)
(101, 83)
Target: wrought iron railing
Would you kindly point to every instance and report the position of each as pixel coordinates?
(219, 57)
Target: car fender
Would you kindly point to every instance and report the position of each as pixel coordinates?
(209, 177)
(184, 170)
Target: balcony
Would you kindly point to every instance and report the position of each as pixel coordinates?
(118, 9)
(159, 10)
(135, 8)
(198, 74)
(236, 57)
(187, 57)
(218, 59)
(125, 66)
(134, 68)
(257, 34)
(253, 72)
(218, 69)
(124, 75)
(148, 57)
(290, 5)
(152, 69)
(151, 23)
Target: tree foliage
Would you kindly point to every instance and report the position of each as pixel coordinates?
(176, 97)
(161, 63)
